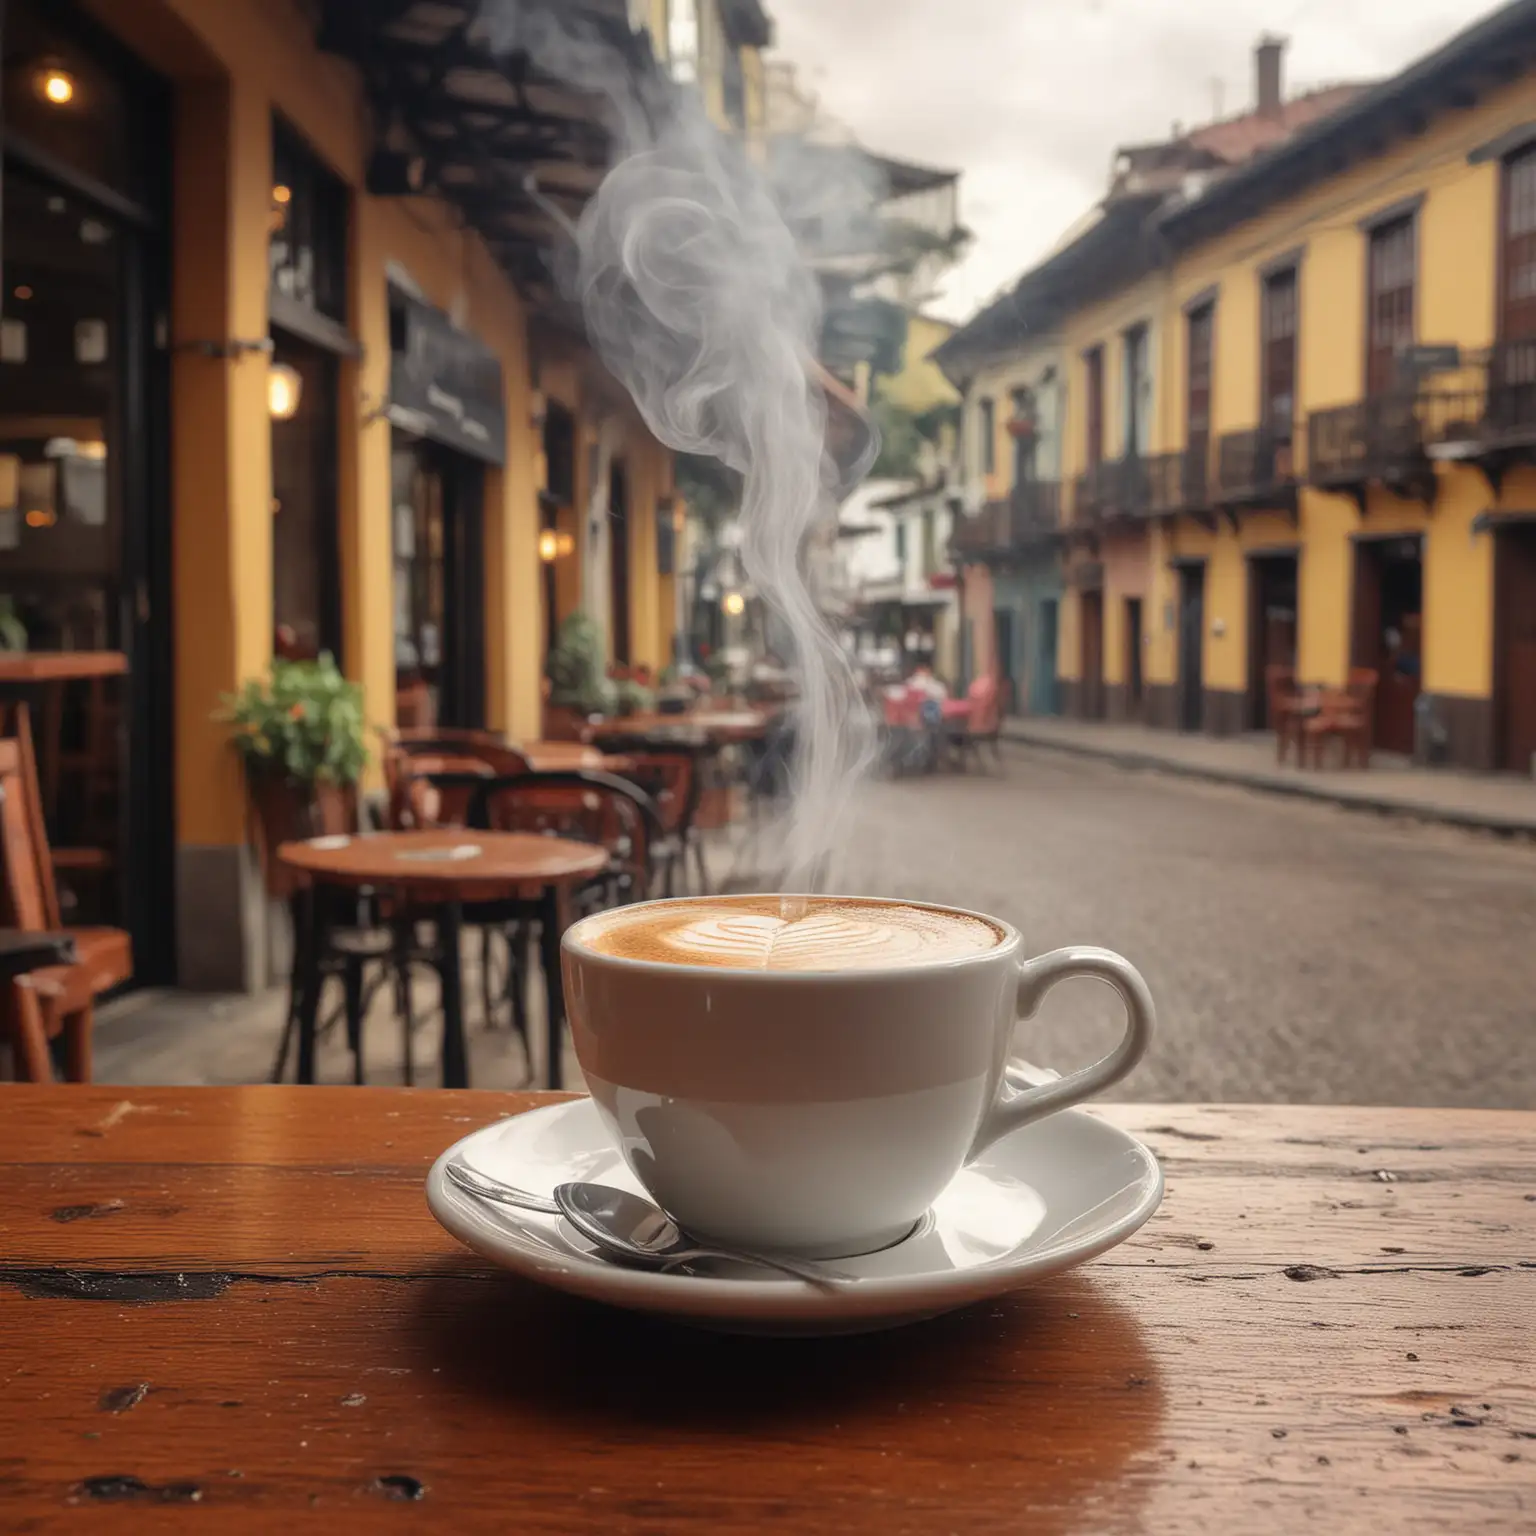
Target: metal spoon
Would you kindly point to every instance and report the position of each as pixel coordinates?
(497, 1192)
(634, 1229)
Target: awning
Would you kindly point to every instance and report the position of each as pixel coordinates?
(475, 127)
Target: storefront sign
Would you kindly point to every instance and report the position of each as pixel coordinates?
(443, 383)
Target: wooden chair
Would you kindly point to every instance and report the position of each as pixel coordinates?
(674, 779)
(1347, 715)
(1281, 694)
(58, 999)
(982, 723)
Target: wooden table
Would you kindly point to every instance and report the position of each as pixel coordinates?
(417, 866)
(237, 1297)
(572, 756)
(718, 727)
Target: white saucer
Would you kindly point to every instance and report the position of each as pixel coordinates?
(1039, 1201)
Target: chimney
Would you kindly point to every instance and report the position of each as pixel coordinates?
(1267, 61)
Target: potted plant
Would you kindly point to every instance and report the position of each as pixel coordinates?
(301, 737)
(632, 690)
(576, 687)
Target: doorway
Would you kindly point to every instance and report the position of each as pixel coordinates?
(306, 560)
(1091, 605)
(1044, 701)
(1271, 629)
(618, 562)
(85, 537)
(1389, 632)
(1134, 643)
(439, 585)
(1002, 621)
(1514, 655)
(1191, 645)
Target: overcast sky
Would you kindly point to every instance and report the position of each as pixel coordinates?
(1029, 98)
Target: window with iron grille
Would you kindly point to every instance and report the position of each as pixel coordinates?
(1197, 402)
(1390, 286)
(988, 428)
(307, 244)
(1518, 319)
(1279, 354)
(1093, 364)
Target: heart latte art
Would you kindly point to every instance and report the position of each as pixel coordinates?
(791, 934)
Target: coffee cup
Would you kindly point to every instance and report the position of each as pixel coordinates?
(806, 1074)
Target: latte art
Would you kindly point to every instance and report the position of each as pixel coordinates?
(800, 934)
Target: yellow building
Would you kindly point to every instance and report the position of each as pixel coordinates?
(1339, 475)
(309, 385)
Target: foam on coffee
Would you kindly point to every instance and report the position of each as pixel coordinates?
(771, 933)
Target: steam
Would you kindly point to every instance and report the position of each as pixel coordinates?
(698, 301)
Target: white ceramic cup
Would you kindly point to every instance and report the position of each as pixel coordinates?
(819, 1112)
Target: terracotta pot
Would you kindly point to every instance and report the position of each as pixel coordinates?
(283, 810)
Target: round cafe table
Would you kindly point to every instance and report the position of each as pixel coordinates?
(572, 757)
(444, 869)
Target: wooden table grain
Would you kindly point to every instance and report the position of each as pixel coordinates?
(236, 1299)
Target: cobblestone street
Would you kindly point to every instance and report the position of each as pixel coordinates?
(1297, 952)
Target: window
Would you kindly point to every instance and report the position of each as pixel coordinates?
(1093, 363)
(901, 544)
(1278, 357)
(1197, 401)
(1138, 392)
(683, 39)
(1024, 427)
(307, 247)
(930, 552)
(988, 429)
(1389, 317)
(1517, 321)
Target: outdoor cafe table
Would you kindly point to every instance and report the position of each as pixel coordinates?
(236, 1297)
(418, 866)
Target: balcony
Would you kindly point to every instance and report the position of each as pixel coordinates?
(1255, 470)
(1379, 440)
(1484, 411)
(1179, 483)
(1030, 517)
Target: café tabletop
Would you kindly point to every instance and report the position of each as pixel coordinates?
(233, 1303)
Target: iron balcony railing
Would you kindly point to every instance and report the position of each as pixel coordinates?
(1485, 404)
(1035, 509)
(1378, 438)
(1031, 514)
(1256, 465)
(1179, 482)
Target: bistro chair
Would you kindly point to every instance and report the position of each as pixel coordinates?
(1283, 701)
(981, 724)
(672, 774)
(58, 999)
(1346, 715)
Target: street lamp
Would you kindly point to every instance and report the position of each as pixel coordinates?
(734, 604)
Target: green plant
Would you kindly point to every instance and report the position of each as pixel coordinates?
(13, 633)
(632, 697)
(303, 722)
(576, 668)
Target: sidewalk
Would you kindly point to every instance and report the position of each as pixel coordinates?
(1486, 802)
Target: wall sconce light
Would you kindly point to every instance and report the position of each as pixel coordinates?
(284, 389)
(55, 85)
(734, 604)
(549, 546)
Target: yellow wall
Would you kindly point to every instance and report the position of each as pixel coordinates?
(232, 65)
(920, 386)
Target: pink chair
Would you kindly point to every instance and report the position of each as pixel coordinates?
(978, 720)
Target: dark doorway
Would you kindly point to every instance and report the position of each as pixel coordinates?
(618, 562)
(1514, 655)
(85, 540)
(1389, 632)
(1002, 624)
(1133, 649)
(439, 585)
(1045, 667)
(1271, 629)
(306, 563)
(1191, 645)
(1092, 609)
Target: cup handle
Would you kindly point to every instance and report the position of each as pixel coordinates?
(1036, 977)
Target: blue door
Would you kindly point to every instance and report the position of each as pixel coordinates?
(1043, 689)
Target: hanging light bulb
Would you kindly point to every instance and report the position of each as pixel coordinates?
(734, 604)
(549, 546)
(56, 85)
(284, 389)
